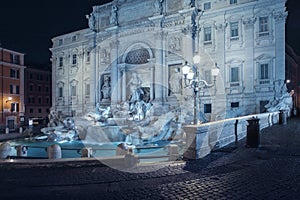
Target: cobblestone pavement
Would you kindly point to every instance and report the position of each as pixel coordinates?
(271, 171)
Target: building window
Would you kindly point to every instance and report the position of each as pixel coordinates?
(207, 108)
(14, 89)
(235, 104)
(207, 35)
(88, 57)
(15, 59)
(47, 100)
(30, 99)
(40, 110)
(17, 89)
(234, 31)
(40, 100)
(87, 89)
(74, 38)
(14, 73)
(60, 42)
(60, 92)
(61, 61)
(263, 26)
(73, 90)
(207, 6)
(31, 110)
(46, 89)
(264, 74)
(74, 59)
(234, 76)
(31, 76)
(14, 107)
(233, 2)
(30, 88)
(39, 77)
(39, 88)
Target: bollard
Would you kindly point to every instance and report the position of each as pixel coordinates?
(173, 152)
(4, 150)
(130, 160)
(54, 151)
(6, 130)
(252, 139)
(86, 152)
(21, 150)
(283, 117)
(20, 130)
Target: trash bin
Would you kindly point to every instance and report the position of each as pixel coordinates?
(253, 139)
(283, 117)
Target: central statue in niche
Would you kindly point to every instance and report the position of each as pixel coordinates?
(139, 99)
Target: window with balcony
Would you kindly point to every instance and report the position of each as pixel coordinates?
(234, 31)
(263, 26)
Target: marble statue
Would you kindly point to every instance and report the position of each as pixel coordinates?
(53, 119)
(114, 16)
(158, 6)
(134, 85)
(175, 82)
(106, 89)
(92, 21)
(285, 102)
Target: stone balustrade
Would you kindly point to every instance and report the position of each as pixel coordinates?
(202, 139)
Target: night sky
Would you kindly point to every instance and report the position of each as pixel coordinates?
(28, 26)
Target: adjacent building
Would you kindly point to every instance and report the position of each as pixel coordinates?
(151, 40)
(12, 90)
(37, 93)
(293, 74)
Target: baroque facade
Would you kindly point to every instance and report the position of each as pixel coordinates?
(147, 42)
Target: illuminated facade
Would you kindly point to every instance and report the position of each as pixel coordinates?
(153, 39)
(12, 89)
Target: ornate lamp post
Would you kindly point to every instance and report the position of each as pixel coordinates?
(192, 80)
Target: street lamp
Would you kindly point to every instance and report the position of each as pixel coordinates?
(192, 80)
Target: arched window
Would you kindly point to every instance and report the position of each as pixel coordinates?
(138, 56)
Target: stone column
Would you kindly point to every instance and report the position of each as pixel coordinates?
(280, 45)
(122, 68)
(93, 74)
(221, 55)
(158, 84)
(114, 71)
(249, 66)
